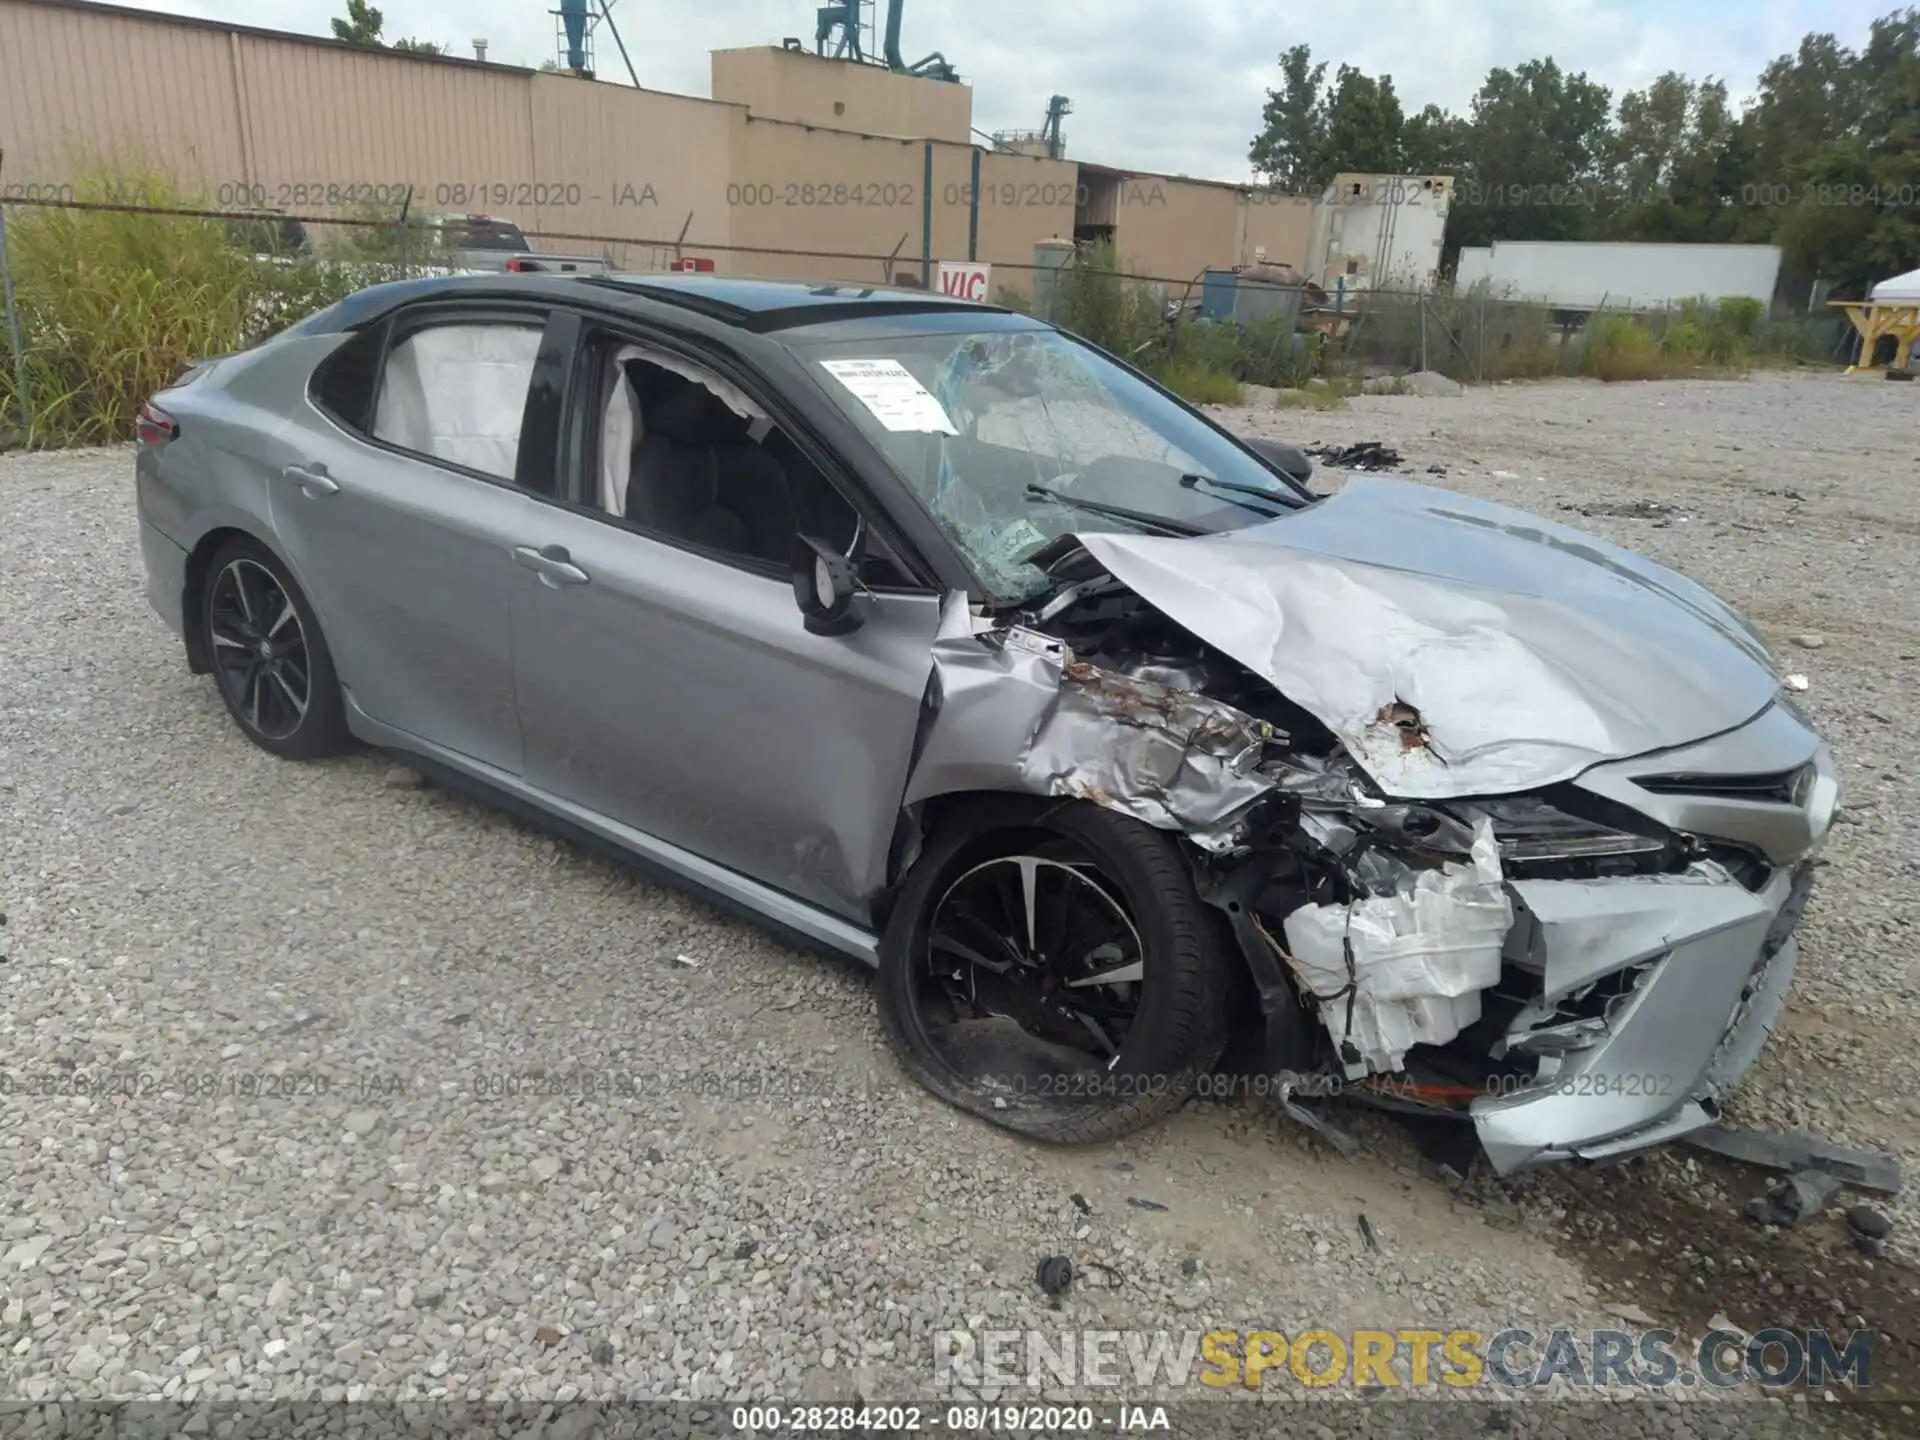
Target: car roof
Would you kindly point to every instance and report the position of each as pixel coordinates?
(755, 305)
(765, 305)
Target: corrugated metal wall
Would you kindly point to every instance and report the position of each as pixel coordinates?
(309, 126)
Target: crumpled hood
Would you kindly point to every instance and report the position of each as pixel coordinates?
(1528, 650)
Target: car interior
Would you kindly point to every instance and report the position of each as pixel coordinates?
(685, 455)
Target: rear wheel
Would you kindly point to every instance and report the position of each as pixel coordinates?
(1051, 969)
(268, 655)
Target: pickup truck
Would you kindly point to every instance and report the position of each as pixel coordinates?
(483, 244)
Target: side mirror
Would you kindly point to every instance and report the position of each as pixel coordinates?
(824, 584)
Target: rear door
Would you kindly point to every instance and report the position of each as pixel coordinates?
(401, 522)
(673, 686)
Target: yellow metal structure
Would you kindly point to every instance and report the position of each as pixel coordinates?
(1875, 319)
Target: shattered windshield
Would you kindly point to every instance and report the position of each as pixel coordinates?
(1014, 437)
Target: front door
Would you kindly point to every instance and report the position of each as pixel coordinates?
(683, 696)
(665, 675)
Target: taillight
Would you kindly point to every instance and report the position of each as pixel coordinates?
(154, 426)
(523, 267)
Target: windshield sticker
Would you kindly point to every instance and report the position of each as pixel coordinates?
(888, 389)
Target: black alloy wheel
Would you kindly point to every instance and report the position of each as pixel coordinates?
(1049, 966)
(259, 649)
(260, 638)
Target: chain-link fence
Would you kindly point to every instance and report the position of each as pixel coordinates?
(109, 298)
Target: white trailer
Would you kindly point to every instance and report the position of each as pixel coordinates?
(1378, 232)
(1620, 275)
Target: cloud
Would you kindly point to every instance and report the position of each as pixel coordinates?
(1154, 85)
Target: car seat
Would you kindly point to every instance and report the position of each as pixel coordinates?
(674, 487)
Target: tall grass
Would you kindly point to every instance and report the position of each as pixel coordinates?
(115, 305)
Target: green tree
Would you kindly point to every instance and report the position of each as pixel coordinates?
(1435, 142)
(1362, 129)
(419, 47)
(360, 26)
(1539, 149)
(1293, 123)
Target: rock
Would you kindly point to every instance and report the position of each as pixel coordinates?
(400, 777)
(548, 1336)
(361, 1122)
(1812, 640)
(546, 1167)
(274, 1348)
(1259, 397)
(85, 1363)
(1426, 383)
(27, 1253)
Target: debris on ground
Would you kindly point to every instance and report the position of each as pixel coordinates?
(1366, 1232)
(688, 961)
(1622, 509)
(1054, 1274)
(1081, 1201)
(1812, 640)
(1794, 1198)
(1794, 682)
(1797, 1152)
(401, 777)
(548, 1336)
(1365, 455)
(745, 1249)
(1139, 1204)
(1436, 469)
(1870, 1228)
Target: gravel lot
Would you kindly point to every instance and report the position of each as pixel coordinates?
(356, 1164)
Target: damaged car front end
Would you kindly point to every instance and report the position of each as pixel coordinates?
(1579, 968)
(1507, 824)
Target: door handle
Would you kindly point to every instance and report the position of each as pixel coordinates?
(552, 564)
(313, 480)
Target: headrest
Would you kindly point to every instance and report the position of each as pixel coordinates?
(692, 414)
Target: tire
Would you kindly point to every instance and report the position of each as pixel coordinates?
(1181, 1020)
(264, 692)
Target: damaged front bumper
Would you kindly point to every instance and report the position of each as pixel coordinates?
(1694, 967)
(1708, 964)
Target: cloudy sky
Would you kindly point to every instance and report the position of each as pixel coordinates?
(1169, 85)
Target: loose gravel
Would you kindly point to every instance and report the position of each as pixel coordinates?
(320, 1083)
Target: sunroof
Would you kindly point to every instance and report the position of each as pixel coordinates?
(755, 297)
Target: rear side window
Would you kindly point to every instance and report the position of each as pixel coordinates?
(344, 384)
(458, 393)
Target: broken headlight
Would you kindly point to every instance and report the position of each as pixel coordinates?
(1539, 839)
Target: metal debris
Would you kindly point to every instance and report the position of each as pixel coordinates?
(1797, 1152)
(1054, 1274)
(1139, 1204)
(1794, 1198)
(1369, 455)
(1870, 1228)
(1622, 509)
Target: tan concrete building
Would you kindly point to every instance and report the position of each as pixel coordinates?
(782, 84)
(799, 166)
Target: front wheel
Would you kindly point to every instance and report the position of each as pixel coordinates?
(1050, 967)
(269, 658)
